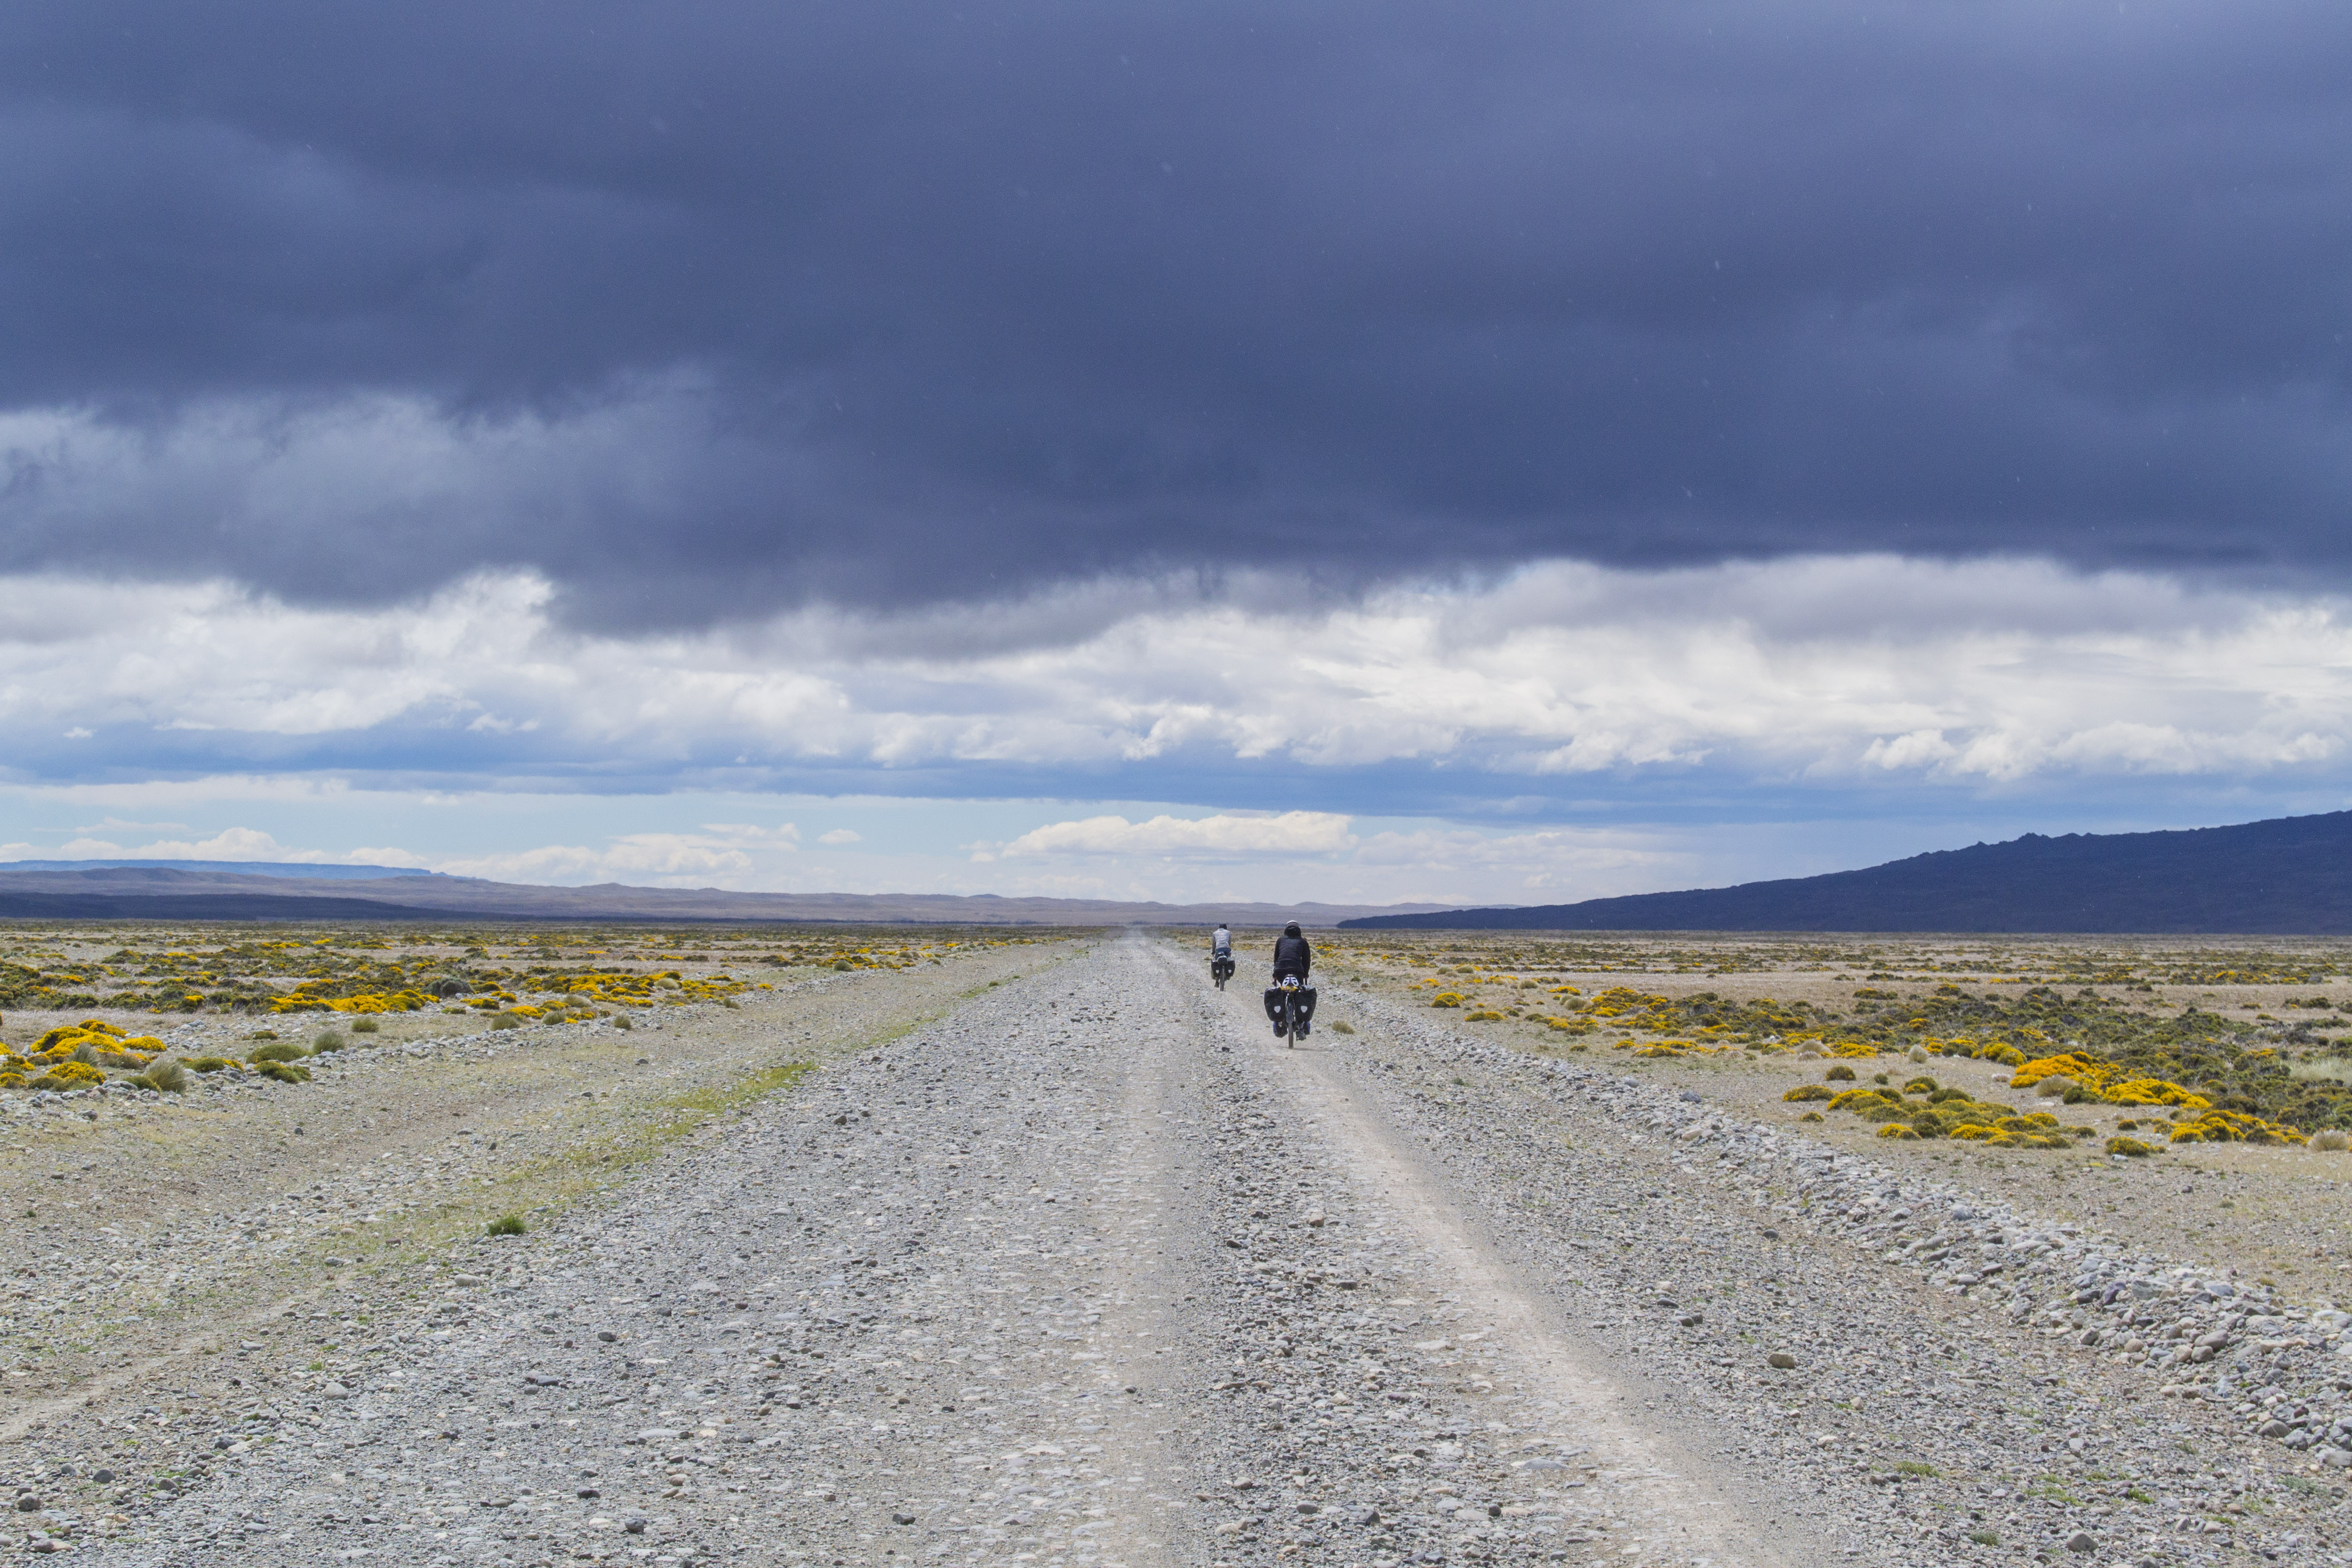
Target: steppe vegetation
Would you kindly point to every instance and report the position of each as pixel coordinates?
(357, 975)
(2210, 1044)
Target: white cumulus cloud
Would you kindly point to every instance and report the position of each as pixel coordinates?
(1848, 667)
(1292, 833)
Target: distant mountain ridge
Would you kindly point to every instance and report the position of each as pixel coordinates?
(2289, 876)
(301, 869)
(189, 891)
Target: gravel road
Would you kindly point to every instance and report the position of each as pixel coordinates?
(1091, 1271)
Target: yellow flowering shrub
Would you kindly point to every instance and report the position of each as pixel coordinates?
(306, 998)
(2109, 1080)
(68, 1035)
(2154, 1092)
(2213, 1126)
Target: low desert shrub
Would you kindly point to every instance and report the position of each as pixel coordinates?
(2331, 1140)
(278, 1051)
(1341, 1026)
(1896, 1129)
(505, 1224)
(506, 1021)
(262, 1034)
(328, 1040)
(1927, 1086)
(284, 1072)
(620, 1021)
(366, 1026)
(2131, 1146)
(1812, 1116)
(2049, 1088)
(1838, 1074)
(1807, 1091)
(208, 1064)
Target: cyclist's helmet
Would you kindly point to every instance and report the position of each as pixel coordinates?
(1290, 930)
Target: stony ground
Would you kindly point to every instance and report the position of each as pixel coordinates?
(2284, 1215)
(1089, 1269)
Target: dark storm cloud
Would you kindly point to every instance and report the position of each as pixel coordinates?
(702, 308)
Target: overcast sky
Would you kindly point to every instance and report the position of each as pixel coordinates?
(1514, 452)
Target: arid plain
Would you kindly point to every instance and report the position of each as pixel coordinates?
(867, 1245)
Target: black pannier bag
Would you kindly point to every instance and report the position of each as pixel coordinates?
(1274, 1003)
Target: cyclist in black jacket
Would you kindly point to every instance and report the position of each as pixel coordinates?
(1292, 956)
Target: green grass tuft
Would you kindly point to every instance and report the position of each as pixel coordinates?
(167, 1075)
(505, 1224)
